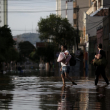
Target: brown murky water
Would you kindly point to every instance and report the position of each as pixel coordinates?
(47, 93)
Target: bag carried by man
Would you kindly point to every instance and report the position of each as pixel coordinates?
(100, 62)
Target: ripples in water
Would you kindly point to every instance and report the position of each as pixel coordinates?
(47, 93)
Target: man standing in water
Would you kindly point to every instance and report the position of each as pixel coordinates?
(65, 68)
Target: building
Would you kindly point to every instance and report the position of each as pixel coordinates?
(106, 39)
(65, 9)
(98, 5)
(93, 25)
(93, 17)
(80, 6)
(3, 12)
(99, 35)
(40, 44)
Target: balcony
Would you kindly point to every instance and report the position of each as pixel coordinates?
(90, 11)
(75, 25)
(74, 4)
(93, 0)
(75, 16)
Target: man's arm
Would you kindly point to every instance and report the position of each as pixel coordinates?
(67, 60)
(98, 56)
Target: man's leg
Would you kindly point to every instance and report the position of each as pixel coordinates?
(97, 73)
(66, 75)
(63, 79)
(104, 76)
(96, 78)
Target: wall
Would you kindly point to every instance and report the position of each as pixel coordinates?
(70, 12)
(6, 12)
(92, 23)
(106, 3)
(100, 36)
(106, 41)
(82, 4)
(3, 16)
(65, 9)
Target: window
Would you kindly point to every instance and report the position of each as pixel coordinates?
(75, 10)
(75, 21)
(69, 0)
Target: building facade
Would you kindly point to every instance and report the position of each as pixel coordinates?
(99, 35)
(80, 6)
(3, 12)
(65, 9)
(98, 5)
(93, 17)
(95, 24)
(106, 40)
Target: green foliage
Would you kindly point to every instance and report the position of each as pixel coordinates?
(12, 54)
(7, 51)
(34, 56)
(47, 53)
(58, 29)
(26, 48)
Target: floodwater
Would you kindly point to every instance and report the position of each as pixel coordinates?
(47, 93)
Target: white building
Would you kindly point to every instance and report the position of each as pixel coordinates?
(3, 12)
(65, 9)
(93, 17)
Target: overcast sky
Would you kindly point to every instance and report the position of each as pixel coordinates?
(20, 20)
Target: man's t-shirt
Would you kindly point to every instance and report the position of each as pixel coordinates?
(102, 52)
(63, 64)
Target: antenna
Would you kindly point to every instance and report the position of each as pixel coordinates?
(32, 27)
(25, 28)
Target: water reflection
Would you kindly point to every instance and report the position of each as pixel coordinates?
(6, 96)
(102, 99)
(47, 93)
(65, 101)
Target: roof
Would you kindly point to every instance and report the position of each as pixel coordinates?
(98, 11)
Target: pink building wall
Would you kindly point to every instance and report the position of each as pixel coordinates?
(100, 36)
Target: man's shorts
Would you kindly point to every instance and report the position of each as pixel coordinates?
(65, 69)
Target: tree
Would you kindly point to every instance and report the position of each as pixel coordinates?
(12, 54)
(6, 45)
(58, 29)
(26, 48)
(47, 53)
(34, 56)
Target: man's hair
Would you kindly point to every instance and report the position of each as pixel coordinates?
(100, 46)
(64, 46)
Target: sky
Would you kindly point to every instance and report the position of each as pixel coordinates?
(24, 15)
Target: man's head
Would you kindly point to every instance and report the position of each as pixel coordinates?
(63, 48)
(99, 46)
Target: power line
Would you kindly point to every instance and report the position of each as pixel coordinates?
(97, 24)
(34, 11)
(45, 10)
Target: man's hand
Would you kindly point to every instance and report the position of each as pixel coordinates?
(63, 61)
(61, 69)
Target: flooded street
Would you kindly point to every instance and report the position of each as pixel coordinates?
(47, 93)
